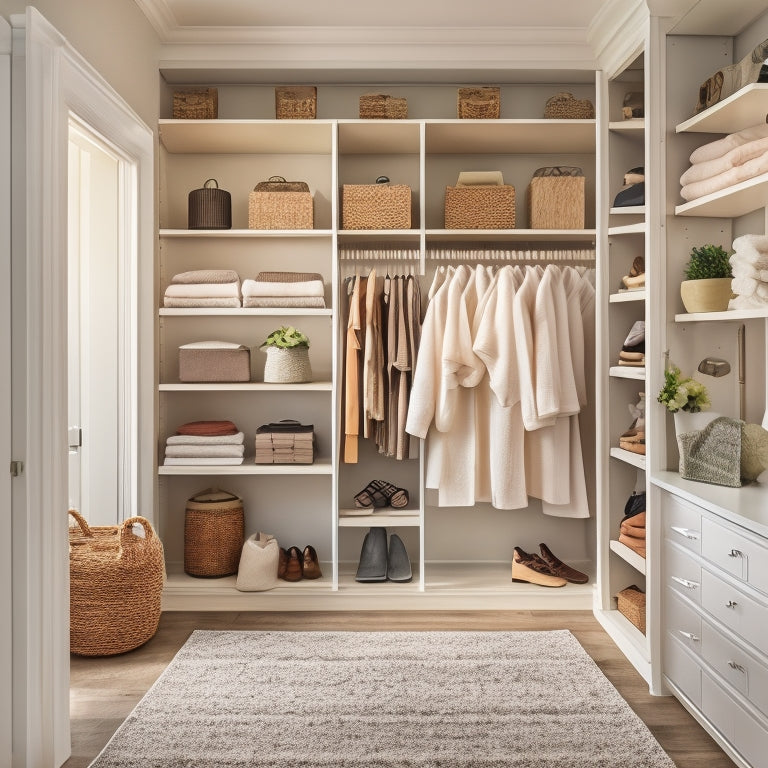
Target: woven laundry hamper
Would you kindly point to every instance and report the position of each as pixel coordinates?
(196, 104)
(209, 207)
(480, 206)
(296, 102)
(280, 204)
(214, 529)
(116, 585)
(376, 206)
(631, 603)
(479, 103)
(556, 198)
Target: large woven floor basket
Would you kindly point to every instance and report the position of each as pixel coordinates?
(214, 530)
(116, 586)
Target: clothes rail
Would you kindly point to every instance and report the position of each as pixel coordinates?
(379, 254)
(548, 255)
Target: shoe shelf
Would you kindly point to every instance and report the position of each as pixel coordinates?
(635, 459)
(627, 372)
(627, 126)
(623, 296)
(247, 386)
(730, 314)
(628, 210)
(391, 518)
(638, 228)
(737, 111)
(628, 555)
(322, 467)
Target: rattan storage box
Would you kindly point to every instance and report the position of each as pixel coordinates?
(480, 206)
(196, 104)
(201, 362)
(556, 202)
(296, 102)
(479, 103)
(280, 204)
(375, 206)
(380, 106)
(631, 603)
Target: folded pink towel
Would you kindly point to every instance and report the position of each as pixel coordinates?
(737, 156)
(752, 168)
(722, 146)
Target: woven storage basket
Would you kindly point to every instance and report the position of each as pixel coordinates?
(287, 366)
(480, 206)
(116, 586)
(296, 102)
(285, 442)
(565, 106)
(375, 206)
(214, 529)
(556, 202)
(209, 365)
(209, 207)
(280, 204)
(380, 106)
(196, 104)
(631, 603)
(479, 103)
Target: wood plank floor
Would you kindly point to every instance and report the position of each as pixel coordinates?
(105, 690)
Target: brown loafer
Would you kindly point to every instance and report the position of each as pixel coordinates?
(559, 568)
(531, 569)
(310, 565)
(293, 570)
(282, 563)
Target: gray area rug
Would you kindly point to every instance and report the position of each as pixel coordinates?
(383, 700)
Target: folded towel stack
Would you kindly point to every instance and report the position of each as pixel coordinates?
(285, 443)
(285, 289)
(204, 288)
(205, 443)
(727, 161)
(749, 263)
(632, 526)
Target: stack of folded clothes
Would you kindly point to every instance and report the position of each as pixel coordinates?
(285, 442)
(632, 527)
(725, 162)
(204, 288)
(749, 264)
(633, 191)
(212, 443)
(285, 289)
(633, 350)
(635, 280)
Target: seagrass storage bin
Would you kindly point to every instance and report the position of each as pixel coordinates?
(556, 202)
(296, 102)
(375, 206)
(196, 104)
(209, 207)
(631, 603)
(380, 106)
(198, 364)
(214, 531)
(565, 106)
(116, 586)
(480, 206)
(280, 204)
(479, 103)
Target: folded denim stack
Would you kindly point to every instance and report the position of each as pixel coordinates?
(632, 526)
(211, 443)
(204, 288)
(633, 350)
(285, 289)
(749, 264)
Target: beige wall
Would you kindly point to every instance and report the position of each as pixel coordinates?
(115, 38)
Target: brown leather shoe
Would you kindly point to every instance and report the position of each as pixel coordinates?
(310, 563)
(293, 570)
(532, 569)
(282, 563)
(559, 568)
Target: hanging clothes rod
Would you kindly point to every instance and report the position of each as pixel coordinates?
(379, 253)
(549, 255)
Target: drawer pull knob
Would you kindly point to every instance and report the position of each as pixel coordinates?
(734, 665)
(687, 532)
(686, 583)
(735, 553)
(690, 636)
(731, 604)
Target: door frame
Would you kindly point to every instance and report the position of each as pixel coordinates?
(51, 82)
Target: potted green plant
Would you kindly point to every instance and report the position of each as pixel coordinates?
(287, 351)
(687, 399)
(707, 287)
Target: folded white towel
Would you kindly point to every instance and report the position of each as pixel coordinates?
(720, 147)
(203, 290)
(756, 242)
(263, 288)
(737, 156)
(186, 302)
(207, 276)
(744, 286)
(237, 439)
(200, 451)
(748, 302)
(744, 269)
(752, 168)
(211, 461)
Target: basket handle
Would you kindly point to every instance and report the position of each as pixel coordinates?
(149, 531)
(208, 181)
(276, 178)
(81, 522)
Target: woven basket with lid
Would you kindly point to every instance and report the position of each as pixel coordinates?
(214, 530)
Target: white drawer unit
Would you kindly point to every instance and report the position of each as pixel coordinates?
(682, 572)
(682, 523)
(737, 553)
(682, 621)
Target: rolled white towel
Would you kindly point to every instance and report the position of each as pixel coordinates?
(720, 147)
(203, 451)
(262, 288)
(756, 242)
(747, 302)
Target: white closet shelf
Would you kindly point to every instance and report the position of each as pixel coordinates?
(512, 235)
(635, 125)
(627, 229)
(729, 203)
(259, 233)
(359, 518)
(322, 467)
(748, 106)
(246, 386)
(628, 210)
(243, 311)
(379, 137)
(618, 298)
(627, 372)
(266, 137)
(410, 236)
(625, 553)
(635, 459)
(630, 640)
(730, 314)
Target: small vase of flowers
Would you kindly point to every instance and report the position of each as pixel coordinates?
(687, 399)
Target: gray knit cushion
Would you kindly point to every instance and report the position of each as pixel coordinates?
(712, 454)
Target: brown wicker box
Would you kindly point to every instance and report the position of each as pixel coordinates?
(375, 206)
(479, 103)
(631, 603)
(209, 207)
(480, 206)
(280, 204)
(565, 106)
(556, 202)
(296, 102)
(224, 365)
(214, 530)
(196, 104)
(380, 106)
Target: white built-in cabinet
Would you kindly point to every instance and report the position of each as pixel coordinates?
(461, 556)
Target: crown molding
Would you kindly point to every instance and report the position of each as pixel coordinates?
(617, 34)
(160, 16)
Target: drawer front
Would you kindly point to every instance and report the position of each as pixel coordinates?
(725, 658)
(741, 555)
(682, 669)
(682, 621)
(682, 522)
(681, 572)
